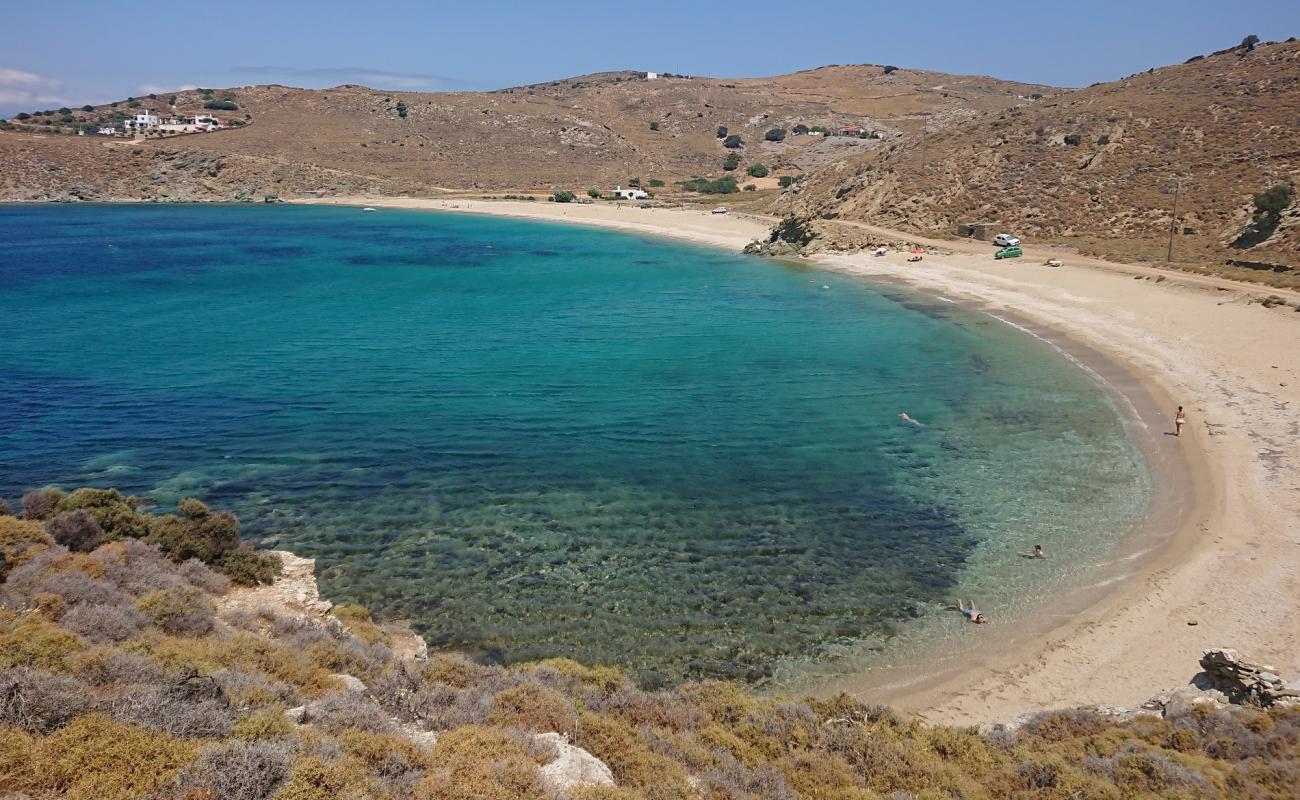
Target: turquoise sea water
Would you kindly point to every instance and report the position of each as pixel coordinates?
(536, 440)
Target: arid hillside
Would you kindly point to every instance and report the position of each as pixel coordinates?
(592, 131)
(1098, 167)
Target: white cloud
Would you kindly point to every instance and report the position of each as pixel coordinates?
(149, 88)
(21, 90)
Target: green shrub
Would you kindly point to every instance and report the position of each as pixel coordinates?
(1249, 42)
(593, 193)
(785, 181)
(564, 197)
(248, 567)
(890, 69)
(23, 115)
(775, 135)
(654, 126)
(198, 533)
(221, 105)
(732, 162)
(1270, 204)
(1073, 139)
(757, 171)
(723, 185)
(800, 129)
(733, 141)
(88, 108)
(655, 183)
(722, 132)
(1103, 140)
(750, 187)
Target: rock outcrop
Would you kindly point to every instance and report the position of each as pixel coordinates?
(1246, 682)
(572, 768)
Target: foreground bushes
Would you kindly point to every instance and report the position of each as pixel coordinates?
(119, 678)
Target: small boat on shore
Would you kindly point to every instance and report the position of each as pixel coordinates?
(367, 208)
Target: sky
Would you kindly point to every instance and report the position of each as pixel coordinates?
(72, 52)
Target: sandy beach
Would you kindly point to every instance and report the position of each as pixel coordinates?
(1227, 571)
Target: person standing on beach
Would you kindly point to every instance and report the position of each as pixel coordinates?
(1179, 420)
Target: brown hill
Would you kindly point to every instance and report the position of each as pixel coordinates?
(1097, 167)
(594, 130)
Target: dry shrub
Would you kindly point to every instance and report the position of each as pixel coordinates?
(324, 778)
(357, 620)
(599, 792)
(440, 707)
(656, 709)
(203, 577)
(20, 540)
(264, 723)
(97, 758)
(604, 680)
(731, 779)
(102, 666)
(477, 763)
(138, 568)
(337, 712)
(6, 510)
(104, 624)
(726, 703)
(76, 530)
(39, 504)
(237, 650)
(42, 576)
(175, 710)
(36, 642)
(247, 690)
(629, 757)
(179, 612)
(1058, 726)
(533, 708)
(456, 670)
(387, 755)
(38, 701)
(237, 771)
(242, 619)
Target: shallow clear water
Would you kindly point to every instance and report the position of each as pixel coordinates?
(535, 440)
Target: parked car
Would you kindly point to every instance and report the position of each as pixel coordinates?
(1006, 240)
(719, 210)
(1008, 252)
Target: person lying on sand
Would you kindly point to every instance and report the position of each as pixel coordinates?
(1038, 552)
(903, 416)
(972, 614)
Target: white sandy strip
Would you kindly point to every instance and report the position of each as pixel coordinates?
(1198, 341)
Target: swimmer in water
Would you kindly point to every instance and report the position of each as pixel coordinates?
(903, 416)
(972, 614)
(1038, 552)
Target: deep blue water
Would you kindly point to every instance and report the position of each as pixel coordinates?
(535, 440)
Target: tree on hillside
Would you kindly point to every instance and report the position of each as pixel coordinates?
(733, 141)
(563, 197)
(731, 163)
(23, 115)
(775, 135)
(800, 129)
(785, 180)
(633, 181)
(1249, 42)
(890, 69)
(1270, 204)
(722, 131)
(593, 193)
(757, 171)
(87, 108)
(655, 183)
(221, 105)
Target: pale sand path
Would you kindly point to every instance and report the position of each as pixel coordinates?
(1198, 341)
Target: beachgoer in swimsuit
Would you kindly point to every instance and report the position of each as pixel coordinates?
(972, 614)
(903, 416)
(1038, 552)
(1179, 420)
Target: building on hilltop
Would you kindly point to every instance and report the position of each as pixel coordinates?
(142, 122)
(620, 193)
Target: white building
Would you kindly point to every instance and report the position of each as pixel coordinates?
(142, 122)
(620, 193)
(108, 131)
(651, 76)
(201, 123)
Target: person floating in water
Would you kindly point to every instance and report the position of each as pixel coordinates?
(972, 614)
(1180, 419)
(1037, 553)
(905, 418)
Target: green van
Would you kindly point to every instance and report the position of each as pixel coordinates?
(1008, 252)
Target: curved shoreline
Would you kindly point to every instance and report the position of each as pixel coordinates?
(1130, 642)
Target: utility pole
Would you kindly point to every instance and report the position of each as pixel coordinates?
(1173, 222)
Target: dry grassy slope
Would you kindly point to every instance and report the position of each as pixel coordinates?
(1228, 125)
(587, 131)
